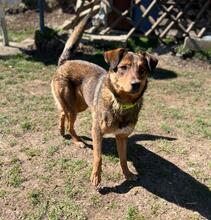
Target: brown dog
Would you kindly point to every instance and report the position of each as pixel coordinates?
(114, 97)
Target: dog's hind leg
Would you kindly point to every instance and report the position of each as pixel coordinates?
(62, 123)
(62, 115)
(76, 140)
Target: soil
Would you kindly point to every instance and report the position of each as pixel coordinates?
(19, 22)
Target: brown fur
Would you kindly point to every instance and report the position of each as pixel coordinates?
(78, 84)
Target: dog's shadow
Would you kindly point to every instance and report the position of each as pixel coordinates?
(160, 177)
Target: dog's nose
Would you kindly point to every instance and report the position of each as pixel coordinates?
(135, 86)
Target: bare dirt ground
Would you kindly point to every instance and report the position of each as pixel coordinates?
(44, 176)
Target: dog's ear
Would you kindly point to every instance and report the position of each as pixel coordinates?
(151, 61)
(113, 57)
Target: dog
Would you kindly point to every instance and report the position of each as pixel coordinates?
(115, 96)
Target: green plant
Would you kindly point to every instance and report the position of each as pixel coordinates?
(52, 149)
(36, 196)
(134, 214)
(15, 178)
(3, 193)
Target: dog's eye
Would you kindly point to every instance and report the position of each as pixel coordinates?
(123, 67)
(141, 71)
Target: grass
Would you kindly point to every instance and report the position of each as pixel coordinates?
(52, 150)
(115, 176)
(142, 44)
(112, 205)
(55, 210)
(3, 193)
(26, 126)
(70, 190)
(96, 200)
(166, 127)
(202, 55)
(15, 177)
(31, 152)
(20, 35)
(134, 214)
(35, 196)
(65, 209)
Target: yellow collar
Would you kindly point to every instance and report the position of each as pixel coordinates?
(124, 106)
(127, 106)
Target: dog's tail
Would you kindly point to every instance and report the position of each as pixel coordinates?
(73, 40)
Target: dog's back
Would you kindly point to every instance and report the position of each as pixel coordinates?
(81, 75)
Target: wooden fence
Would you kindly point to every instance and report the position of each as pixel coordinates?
(152, 18)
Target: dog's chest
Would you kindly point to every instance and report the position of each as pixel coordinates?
(117, 122)
(125, 130)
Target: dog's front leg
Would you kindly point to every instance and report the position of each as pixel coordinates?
(97, 148)
(121, 141)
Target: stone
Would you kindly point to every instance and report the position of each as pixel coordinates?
(197, 44)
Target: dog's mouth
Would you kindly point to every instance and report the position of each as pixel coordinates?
(132, 92)
(135, 91)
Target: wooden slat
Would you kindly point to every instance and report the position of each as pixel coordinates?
(115, 23)
(94, 11)
(81, 6)
(168, 12)
(143, 16)
(151, 19)
(200, 34)
(159, 20)
(88, 6)
(118, 12)
(70, 24)
(198, 16)
(180, 26)
(170, 25)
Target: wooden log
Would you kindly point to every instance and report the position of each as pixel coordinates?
(93, 37)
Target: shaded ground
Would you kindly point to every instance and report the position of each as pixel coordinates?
(43, 176)
(23, 25)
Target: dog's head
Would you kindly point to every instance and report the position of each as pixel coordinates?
(128, 71)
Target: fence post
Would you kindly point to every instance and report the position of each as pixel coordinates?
(41, 12)
(3, 27)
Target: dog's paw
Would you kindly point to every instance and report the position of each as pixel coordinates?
(130, 176)
(80, 144)
(95, 178)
